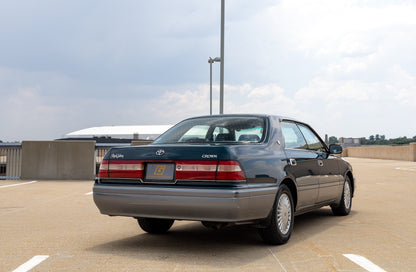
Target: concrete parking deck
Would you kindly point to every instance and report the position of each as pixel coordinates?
(60, 220)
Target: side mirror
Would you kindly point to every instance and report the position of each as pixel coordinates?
(335, 149)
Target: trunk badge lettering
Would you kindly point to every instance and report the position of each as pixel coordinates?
(117, 156)
(209, 156)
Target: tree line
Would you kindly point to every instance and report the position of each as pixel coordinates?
(379, 140)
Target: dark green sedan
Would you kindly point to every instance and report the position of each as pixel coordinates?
(223, 170)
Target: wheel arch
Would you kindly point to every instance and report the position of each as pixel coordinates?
(351, 177)
(293, 190)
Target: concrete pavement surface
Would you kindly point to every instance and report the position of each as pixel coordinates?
(59, 220)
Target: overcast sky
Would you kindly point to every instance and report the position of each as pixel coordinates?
(348, 68)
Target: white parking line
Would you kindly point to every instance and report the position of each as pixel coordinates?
(90, 193)
(18, 184)
(31, 263)
(364, 263)
(406, 169)
(275, 257)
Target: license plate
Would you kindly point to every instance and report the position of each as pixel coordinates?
(160, 171)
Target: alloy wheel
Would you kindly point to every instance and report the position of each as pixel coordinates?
(284, 214)
(347, 195)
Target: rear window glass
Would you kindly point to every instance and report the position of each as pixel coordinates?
(235, 130)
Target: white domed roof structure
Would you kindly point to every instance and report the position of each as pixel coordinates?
(149, 132)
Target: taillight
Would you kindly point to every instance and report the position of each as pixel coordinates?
(103, 172)
(230, 171)
(222, 171)
(121, 169)
(196, 170)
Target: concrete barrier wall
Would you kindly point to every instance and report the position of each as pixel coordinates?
(402, 153)
(58, 160)
(75, 160)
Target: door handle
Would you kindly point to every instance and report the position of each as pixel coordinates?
(320, 163)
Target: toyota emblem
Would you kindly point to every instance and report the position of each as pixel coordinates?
(160, 152)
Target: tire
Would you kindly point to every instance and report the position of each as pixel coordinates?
(154, 225)
(344, 206)
(282, 218)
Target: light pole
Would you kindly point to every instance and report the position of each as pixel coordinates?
(211, 61)
(222, 59)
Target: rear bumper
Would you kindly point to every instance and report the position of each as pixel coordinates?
(201, 204)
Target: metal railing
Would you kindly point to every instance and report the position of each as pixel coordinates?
(10, 161)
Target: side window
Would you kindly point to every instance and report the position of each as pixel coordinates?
(312, 140)
(292, 136)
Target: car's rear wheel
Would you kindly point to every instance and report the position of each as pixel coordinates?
(155, 225)
(344, 206)
(281, 224)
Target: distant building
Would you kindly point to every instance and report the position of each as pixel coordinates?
(121, 133)
(346, 142)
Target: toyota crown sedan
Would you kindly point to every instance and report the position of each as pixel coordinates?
(226, 169)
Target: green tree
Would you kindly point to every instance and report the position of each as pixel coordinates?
(363, 141)
(333, 140)
(383, 141)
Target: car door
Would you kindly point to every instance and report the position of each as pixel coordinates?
(329, 178)
(302, 164)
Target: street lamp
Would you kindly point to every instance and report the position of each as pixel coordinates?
(222, 58)
(211, 61)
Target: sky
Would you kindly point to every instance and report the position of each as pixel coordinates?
(348, 68)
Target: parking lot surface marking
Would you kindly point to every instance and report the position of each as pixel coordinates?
(364, 263)
(18, 184)
(90, 193)
(31, 263)
(275, 257)
(57, 218)
(407, 168)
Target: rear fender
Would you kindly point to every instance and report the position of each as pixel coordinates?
(293, 189)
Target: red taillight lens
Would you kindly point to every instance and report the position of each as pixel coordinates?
(121, 169)
(196, 170)
(103, 172)
(230, 171)
(222, 171)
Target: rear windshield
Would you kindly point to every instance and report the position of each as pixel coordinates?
(234, 130)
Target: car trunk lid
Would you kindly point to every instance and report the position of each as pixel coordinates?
(172, 163)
